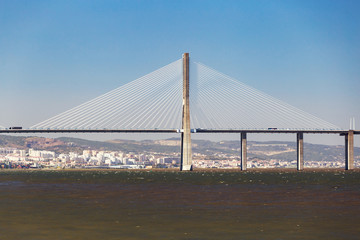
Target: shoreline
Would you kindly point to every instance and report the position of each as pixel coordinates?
(177, 170)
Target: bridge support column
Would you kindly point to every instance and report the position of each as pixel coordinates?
(349, 150)
(186, 154)
(243, 151)
(300, 150)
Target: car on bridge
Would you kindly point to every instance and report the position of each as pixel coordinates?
(15, 128)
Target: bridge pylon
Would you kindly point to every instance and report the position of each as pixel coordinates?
(186, 153)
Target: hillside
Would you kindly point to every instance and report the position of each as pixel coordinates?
(261, 150)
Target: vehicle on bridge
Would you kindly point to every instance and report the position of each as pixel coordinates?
(15, 128)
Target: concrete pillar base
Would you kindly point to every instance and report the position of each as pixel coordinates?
(300, 150)
(243, 151)
(186, 168)
(349, 150)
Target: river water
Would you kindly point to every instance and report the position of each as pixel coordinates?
(277, 204)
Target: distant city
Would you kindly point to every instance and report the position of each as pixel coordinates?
(78, 153)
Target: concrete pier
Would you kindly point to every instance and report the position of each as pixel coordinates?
(186, 153)
(300, 150)
(243, 151)
(349, 150)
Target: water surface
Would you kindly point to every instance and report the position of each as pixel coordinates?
(279, 204)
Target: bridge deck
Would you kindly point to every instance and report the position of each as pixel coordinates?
(89, 131)
(275, 131)
(341, 132)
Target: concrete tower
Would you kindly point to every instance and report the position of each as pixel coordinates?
(186, 155)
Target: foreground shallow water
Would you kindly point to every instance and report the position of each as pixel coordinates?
(281, 204)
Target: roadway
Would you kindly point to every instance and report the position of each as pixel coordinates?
(198, 130)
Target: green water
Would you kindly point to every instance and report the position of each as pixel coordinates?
(179, 205)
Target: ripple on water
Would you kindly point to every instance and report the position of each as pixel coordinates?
(210, 205)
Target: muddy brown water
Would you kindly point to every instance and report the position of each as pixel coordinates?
(281, 204)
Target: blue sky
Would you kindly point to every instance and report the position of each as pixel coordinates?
(55, 55)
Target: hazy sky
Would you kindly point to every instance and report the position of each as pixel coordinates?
(55, 55)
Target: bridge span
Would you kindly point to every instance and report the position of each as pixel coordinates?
(348, 135)
(166, 101)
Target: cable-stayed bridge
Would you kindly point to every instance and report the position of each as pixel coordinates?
(155, 102)
(188, 97)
